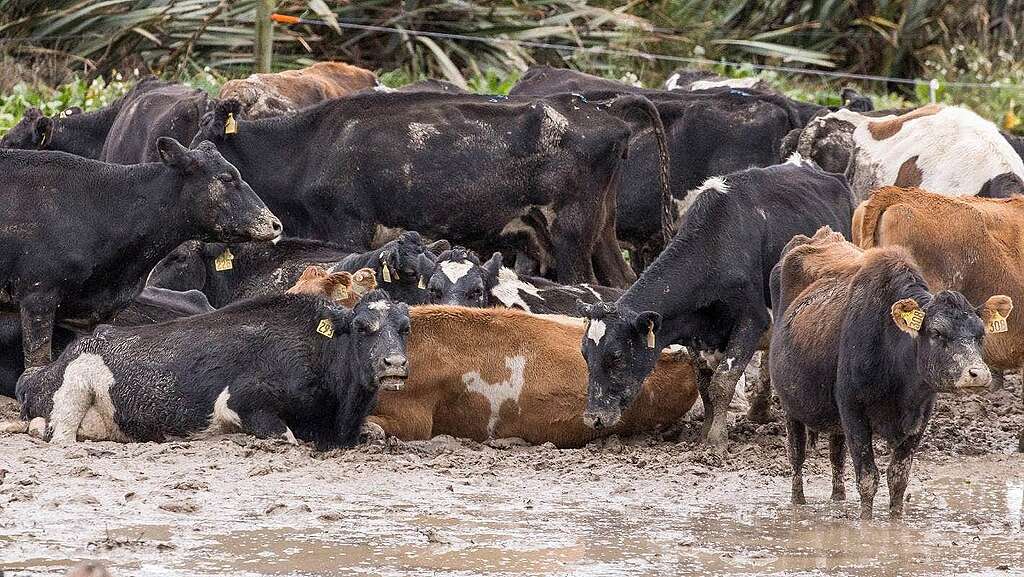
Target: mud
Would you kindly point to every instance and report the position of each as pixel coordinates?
(235, 505)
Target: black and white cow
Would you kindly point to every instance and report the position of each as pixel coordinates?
(860, 347)
(226, 272)
(79, 236)
(459, 278)
(709, 290)
(288, 366)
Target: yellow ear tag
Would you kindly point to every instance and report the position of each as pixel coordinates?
(340, 293)
(230, 125)
(326, 328)
(223, 262)
(998, 324)
(386, 273)
(650, 335)
(913, 319)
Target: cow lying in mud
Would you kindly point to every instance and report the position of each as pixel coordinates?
(230, 272)
(741, 222)
(460, 279)
(492, 373)
(291, 366)
(265, 95)
(860, 348)
(77, 250)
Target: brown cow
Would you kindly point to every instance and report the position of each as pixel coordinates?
(498, 373)
(968, 244)
(343, 287)
(265, 95)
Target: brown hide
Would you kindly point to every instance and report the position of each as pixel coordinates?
(342, 287)
(264, 95)
(882, 129)
(452, 348)
(968, 244)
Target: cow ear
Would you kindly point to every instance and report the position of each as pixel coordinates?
(439, 246)
(173, 154)
(364, 281)
(908, 316)
(585, 309)
(425, 267)
(313, 272)
(339, 288)
(994, 313)
(342, 318)
(492, 266)
(42, 131)
(648, 323)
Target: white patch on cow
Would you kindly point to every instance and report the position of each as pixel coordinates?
(290, 436)
(673, 82)
(85, 391)
(796, 158)
(508, 287)
(763, 214)
(729, 361)
(385, 89)
(596, 331)
(717, 183)
(420, 132)
(592, 291)
(381, 306)
(749, 82)
(497, 393)
(552, 128)
(711, 359)
(224, 419)
(456, 270)
(771, 316)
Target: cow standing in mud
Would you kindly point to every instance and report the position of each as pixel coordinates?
(860, 347)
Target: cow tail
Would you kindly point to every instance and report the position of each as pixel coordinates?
(641, 104)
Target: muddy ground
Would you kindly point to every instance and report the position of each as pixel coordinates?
(239, 506)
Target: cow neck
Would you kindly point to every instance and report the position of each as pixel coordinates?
(84, 134)
(898, 364)
(356, 261)
(266, 155)
(347, 377)
(670, 284)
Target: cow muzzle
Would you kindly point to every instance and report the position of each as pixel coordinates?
(392, 375)
(601, 418)
(974, 376)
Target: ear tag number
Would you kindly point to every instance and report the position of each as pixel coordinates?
(223, 262)
(913, 319)
(998, 324)
(650, 335)
(230, 125)
(340, 293)
(326, 328)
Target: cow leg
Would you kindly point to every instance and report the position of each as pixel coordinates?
(837, 454)
(898, 474)
(266, 425)
(738, 353)
(797, 444)
(858, 435)
(574, 236)
(704, 376)
(761, 396)
(612, 270)
(37, 312)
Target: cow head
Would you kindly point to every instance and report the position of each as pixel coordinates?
(404, 265)
(377, 331)
(620, 350)
(220, 205)
(855, 101)
(948, 334)
(827, 140)
(33, 132)
(214, 125)
(460, 279)
(184, 268)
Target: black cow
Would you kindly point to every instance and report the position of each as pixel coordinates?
(860, 347)
(434, 85)
(459, 278)
(226, 273)
(709, 290)
(78, 236)
(289, 366)
(464, 167)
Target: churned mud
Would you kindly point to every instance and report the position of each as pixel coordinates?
(239, 506)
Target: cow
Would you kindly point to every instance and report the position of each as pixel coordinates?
(79, 235)
(229, 272)
(495, 373)
(944, 149)
(289, 366)
(567, 153)
(273, 94)
(860, 347)
(343, 287)
(434, 85)
(709, 290)
(460, 279)
(710, 132)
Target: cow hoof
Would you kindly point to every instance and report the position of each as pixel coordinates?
(62, 438)
(37, 428)
(759, 417)
(799, 500)
(372, 433)
(14, 427)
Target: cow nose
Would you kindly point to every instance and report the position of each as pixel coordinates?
(976, 376)
(396, 361)
(276, 226)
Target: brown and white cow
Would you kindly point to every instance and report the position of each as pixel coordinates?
(264, 95)
(498, 373)
(344, 288)
(944, 149)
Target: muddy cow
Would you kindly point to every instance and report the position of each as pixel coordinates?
(492, 373)
(709, 133)
(312, 374)
(567, 152)
(459, 278)
(229, 272)
(860, 347)
(945, 149)
(79, 236)
(265, 95)
(709, 290)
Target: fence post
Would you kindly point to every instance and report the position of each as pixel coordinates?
(264, 35)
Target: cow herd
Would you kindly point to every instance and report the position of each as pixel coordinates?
(448, 257)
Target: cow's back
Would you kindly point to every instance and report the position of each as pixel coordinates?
(169, 110)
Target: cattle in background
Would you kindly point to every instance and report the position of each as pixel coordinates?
(944, 149)
(343, 287)
(720, 311)
(273, 94)
(860, 347)
(77, 249)
(459, 278)
(491, 373)
(429, 153)
(230, 272)
(290, 366)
